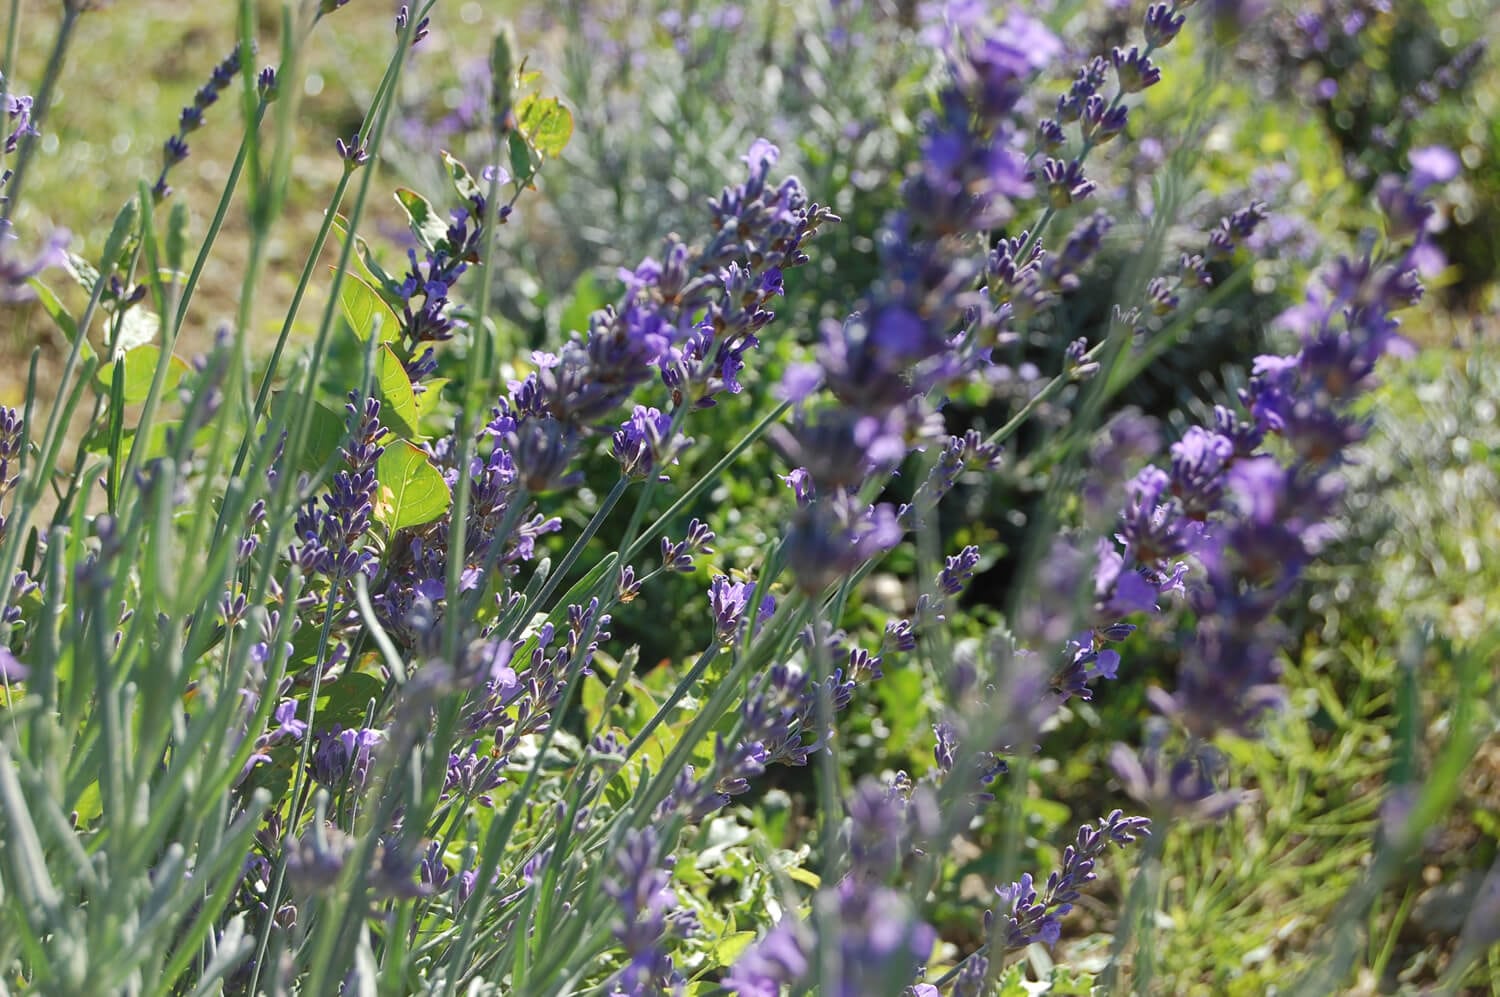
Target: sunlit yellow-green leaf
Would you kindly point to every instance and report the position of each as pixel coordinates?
(728, 948)
(364, 309)
(410, 490)
(547, 124)
(398, 403)
(427, 223)
(139, 368)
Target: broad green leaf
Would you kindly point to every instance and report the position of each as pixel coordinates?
(97, 441)
(325, 434)
(138, 326)
(304, 653)
(728, 948)
(724, 833)
(621, 790)
(546, 122)
(806, 877)
(376, 276)
(411, 491)
(363, 307)
(1050, 812)
(463, 181)
(520, 159)
(89, 805)
(398, 403)
(426, 224)
(59, 314)
(593, 702)
(140, 367)
(275, 776)
(1013, 984)
(346, 701)
(427, 401)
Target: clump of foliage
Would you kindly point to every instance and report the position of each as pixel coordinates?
(379, 736)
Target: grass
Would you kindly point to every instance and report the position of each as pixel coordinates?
(1248, 906)
(101, 143)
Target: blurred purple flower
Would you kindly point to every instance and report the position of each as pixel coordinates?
(16, 272)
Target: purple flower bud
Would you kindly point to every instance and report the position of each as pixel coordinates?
(355, 153)
(315, 860)
(729, 600)
(1134, 70)
(1065, 182)
(642, 443)
(1162, 25)
(678, 556)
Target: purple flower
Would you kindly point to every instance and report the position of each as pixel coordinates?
(879, 943)
(730, 601)
(1432, 164)
(830, 539)
(343, 755)
(645, 442)
(288, 727)
(678, 555)
(403, 17)
(175, 149)
(354, 153)
(641, 888)
(1024, 916)
(18, 111)
(11, 670)
(315, 860)
(16, 272)
(473, 774)
(839, 448)
(1198, 463)
(1065, 182)
(1187, 787)
(777, 960)
(958, 570)
(1134, 70)
(331, 533)
(1234, 229)
(1162, 24)
(762, 156)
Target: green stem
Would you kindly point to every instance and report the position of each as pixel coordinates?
(1140, 903)
(214, 226)
(39, 108)
(707, 481)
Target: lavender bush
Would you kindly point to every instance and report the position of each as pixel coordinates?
(309, 680)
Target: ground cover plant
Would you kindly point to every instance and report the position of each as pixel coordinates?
(335, 659)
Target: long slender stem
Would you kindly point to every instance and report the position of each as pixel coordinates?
(39, 109)
(12, 39)
(217, 224)
(1138, 906)
(475, 382)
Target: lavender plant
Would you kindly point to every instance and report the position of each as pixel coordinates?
(380, 738)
